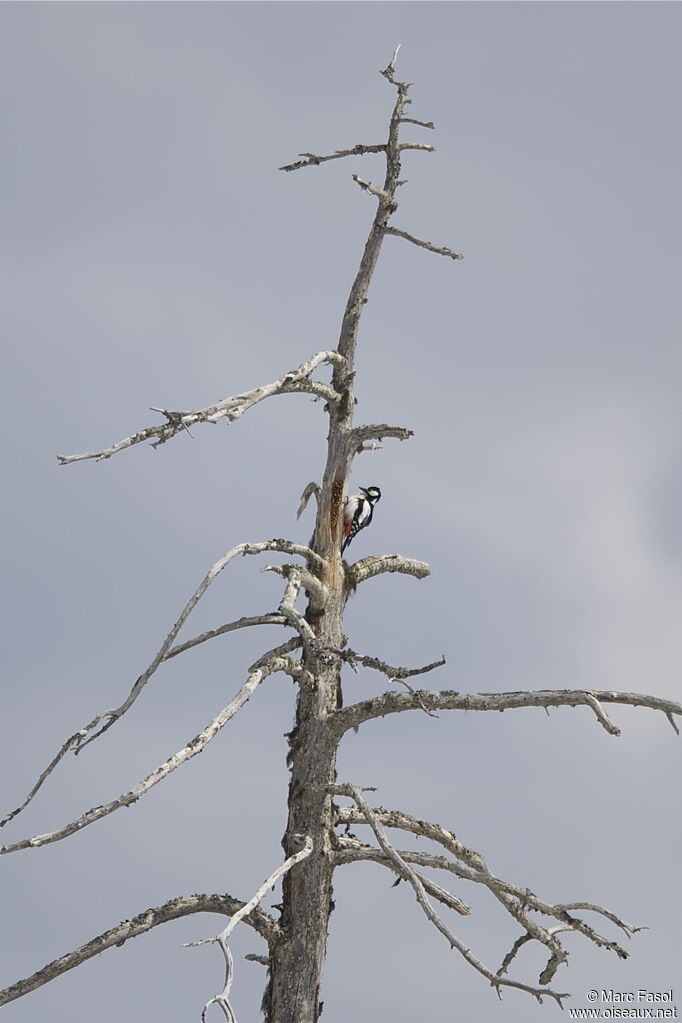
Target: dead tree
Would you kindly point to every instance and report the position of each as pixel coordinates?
(322, 810)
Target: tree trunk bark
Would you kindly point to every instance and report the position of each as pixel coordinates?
(293, 994)
(298, 960)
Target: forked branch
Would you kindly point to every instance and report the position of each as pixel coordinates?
(471, 866)
(222, 999)
(403, 869)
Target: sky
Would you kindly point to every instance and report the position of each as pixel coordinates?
(153, 255)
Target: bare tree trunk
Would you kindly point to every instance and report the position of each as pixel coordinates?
(298, 962)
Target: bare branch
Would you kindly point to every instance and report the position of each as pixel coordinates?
(194, 746)
(376, 564)
(476, 869)
(221, 939)
(438, 249)
(393, 703)
(422, 124)
(296, 620)
(404, 870)
(279, 651)
(420, 146)
(565, 908)
(312, 488)
(63, 750)
(175, 909)
(379, 193)
(95, 728)
(511, 904)
(360, 434)
(241, 623)
(308, 581)
(352, 851)
(402, 682)
(312, 160)
(390, 67)
(387, 669)
(230, 408)
(511, 954)
(291, 592)
(371, 445)
(602, 717)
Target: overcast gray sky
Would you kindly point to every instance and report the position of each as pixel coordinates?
(154, 255)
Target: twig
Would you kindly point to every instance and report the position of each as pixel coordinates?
(350, 850)
(402, 682)
(312, 160)
(279, 651)
(386, 669)
(629, 929)
(241, 623)
(422, 124)
(253, 958)
(312, 488)
(308, 581)
(602, 717)
(511, 954)
(390, 67)
(231, 408)
(379, 193)
(438, 249)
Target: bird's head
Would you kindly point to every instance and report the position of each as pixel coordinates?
(371, 493)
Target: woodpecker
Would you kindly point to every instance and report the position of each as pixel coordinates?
(357, 512)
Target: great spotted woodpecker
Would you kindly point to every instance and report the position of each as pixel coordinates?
(357, 512)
